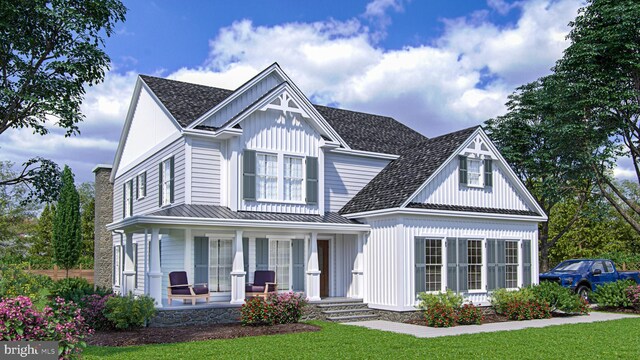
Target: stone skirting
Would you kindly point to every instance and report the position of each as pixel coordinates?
(399, 316)
(195, 316)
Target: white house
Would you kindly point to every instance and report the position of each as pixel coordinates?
(221, 183)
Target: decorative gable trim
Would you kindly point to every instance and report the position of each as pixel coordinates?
(285, 103)
(491, 150)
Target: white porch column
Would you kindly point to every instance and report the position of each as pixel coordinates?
(155, 274)
(358, 269)
(313, 271)
(129, 271)
(237, 270)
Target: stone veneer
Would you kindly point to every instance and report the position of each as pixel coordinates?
(196, 316)
(103, 241)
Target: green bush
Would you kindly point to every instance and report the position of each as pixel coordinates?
(527, 310)
(469, 314)
(613, 294)
(448, 299)
(74, 289)
(14, 282)
(440, 315)
(559, 298)
(127, 312)
(503, 297)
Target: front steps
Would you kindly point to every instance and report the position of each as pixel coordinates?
(346, 310)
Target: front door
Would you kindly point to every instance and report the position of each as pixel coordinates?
(323, 264)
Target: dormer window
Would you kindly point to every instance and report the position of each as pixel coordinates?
(474, 172)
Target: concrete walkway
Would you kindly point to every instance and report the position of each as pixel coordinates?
(429, 332)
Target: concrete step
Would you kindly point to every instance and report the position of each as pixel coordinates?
(340, 304)
(352, 318)
(344, 311)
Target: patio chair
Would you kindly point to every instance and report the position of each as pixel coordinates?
(264, 282)
(180, 289)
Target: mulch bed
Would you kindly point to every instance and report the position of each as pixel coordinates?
(631, 311)
(487, 319)
(191, 333)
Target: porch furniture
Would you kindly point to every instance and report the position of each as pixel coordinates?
(180, 289)
(264, 282)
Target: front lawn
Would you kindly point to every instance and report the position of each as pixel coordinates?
(603, 340)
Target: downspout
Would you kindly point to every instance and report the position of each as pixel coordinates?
(121, 233)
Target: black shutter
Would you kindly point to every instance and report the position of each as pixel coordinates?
(502, 266)
(262, 254)
(312, 180)
(463, 169)
(135, 265)
(201, 260)
(130, 197)
(492, 265)
(124, 200)
(488, 172)
(249, 175)
(160, 184)
(171, 183)
(526, 262)
(297, 249)
(144, 180)
(463, 265)
(420, 265)
(137, 187)
(245, 256)
(452, 264)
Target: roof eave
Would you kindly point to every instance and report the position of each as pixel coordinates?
(444, 213)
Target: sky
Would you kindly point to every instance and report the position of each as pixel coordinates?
(435, 65)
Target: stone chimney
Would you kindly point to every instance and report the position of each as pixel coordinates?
(103, 241)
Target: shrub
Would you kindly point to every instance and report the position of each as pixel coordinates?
(502, 297)
(92, 310)
(633, 294)
(440, 315)
(61, 322)
(256, 311)
(71, 289)
(559, 298)
(469, 314)
(612, 294)
(527, 310)
(14, 282)
(288, 307)
(448, 298)
(127, 312)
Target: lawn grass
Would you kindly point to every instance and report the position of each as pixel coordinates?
(618, 339)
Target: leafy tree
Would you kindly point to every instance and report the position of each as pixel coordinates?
(87, 213)
(549, 161)
(49, 51)
(41, 251)
(67, 241)
(602, 68)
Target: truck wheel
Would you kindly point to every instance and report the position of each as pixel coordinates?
(583, 291)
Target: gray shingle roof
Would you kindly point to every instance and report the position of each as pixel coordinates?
(403, 176)
(472, 209)
(223, 212)
(366, 132)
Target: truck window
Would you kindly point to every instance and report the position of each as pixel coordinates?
(597, 265)
(608, 267)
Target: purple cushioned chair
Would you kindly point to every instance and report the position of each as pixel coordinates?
(180, 289)
(264, 282)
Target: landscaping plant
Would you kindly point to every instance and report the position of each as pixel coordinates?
(441, 315)
(287, 307)
(559, 298)
(633, 294)
(127, 312)
(448, 298)
(92, 309)
(527, 310)
(74, 289)
(501, 298)
(469, 314)
(613, 294)
(14, 281)
(256, 311)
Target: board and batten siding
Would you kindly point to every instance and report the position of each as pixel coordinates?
(243, 101)
(272, 132)
(205, 172)
(345, 175)
(150, 202)
(446, 189)
(345, 250)
(389, 253)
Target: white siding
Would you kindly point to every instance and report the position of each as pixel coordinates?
(270, 131)
(172, 259)
(150, 126)
(388, 251)
(140, 269)
(346, 175)
(445, 188)
(243, 101)
(345, 250)
(206, 172)
(150, 202)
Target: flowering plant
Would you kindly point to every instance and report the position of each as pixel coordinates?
(527, 310)
(92, 309)
(440, 315)
(281, 308)
(633, 294)
(469, 314)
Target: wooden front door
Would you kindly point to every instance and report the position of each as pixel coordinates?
(323, 264)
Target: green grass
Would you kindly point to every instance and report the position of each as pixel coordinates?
(619, 339)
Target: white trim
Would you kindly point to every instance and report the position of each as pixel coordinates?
(362, 153)
(464, 214)
(146, 188)
(101, 166)
(188, 170)
(161, 146)
(289, 241)
(222, 134)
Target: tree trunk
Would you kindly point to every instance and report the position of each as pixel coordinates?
(543, 235)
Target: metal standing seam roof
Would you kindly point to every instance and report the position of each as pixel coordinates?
(224, 213)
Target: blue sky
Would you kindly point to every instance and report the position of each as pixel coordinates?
(435, 65)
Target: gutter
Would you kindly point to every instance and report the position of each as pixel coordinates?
(121, 233)
(447, 213)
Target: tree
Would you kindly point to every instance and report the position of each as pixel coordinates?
(49, 51)
(41, 251)
(546, 157)
(67, 235)
(602, 68)
(87, 213)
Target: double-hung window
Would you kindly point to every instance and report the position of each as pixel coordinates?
(166, 181)
(128, 198)
(293, 178)
(433, 264)
(474, 262)
(474, 171)
(141, 182)
(267, 177)
(511, 264)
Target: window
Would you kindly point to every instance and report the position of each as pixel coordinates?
(128, 201)
(280, 262)
(141, 182)
(474, 169)
(293, 178)
(267, 177)
(117, 261)
(608, 267)
(166, 181)
(598, 265)
(511, 264)
(474, 261)
(220, 263)
(433, 261)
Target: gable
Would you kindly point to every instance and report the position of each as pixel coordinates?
(149, 126)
